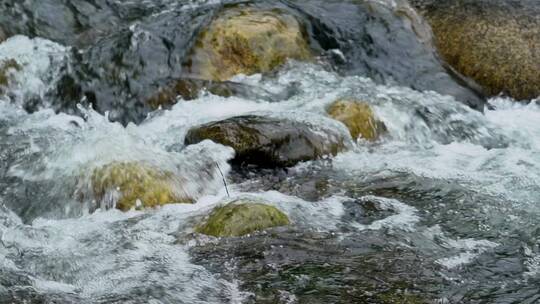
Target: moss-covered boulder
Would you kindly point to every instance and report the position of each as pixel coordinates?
(241, 218)
(136, 185)
(269, 141)
(247, 40)
(494, 42)
(358, 117)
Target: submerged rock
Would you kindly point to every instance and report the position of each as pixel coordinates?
(247, 40)
(270, 142)
(241, 218)
(494, 42)
(324, 267)
(135, 185)
(358, 117)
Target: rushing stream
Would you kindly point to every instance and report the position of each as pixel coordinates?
(443, 208)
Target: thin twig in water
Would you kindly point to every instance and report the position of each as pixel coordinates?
(223, 178)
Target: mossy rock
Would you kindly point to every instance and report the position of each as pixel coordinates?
(241, 218)
(270, 142)
(494, 42)
(6, 67)
(247, 40)
(137, 182)
(358, 117)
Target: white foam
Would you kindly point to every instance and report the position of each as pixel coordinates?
(41, 62)
(113, 252)
(464, 251)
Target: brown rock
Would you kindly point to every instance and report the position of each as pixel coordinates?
(496, 43)
(358, 117)
(247, 40)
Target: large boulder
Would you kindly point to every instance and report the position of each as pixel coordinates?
(127, 185)
(240, 218)
(494, 42)
(128, 71)
(386, 40)
(270, 141)
(77, 23)
(122, 71)
(247, 40)
(358, 117)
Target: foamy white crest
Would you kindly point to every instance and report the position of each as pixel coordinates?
(41, 62)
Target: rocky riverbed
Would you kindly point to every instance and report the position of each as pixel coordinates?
(269, 151)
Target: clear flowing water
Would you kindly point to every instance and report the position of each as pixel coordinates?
(455, 195)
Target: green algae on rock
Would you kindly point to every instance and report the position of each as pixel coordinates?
(358, 117)
(270, 142)
(138, 185)
(241, 218)
(246, 40)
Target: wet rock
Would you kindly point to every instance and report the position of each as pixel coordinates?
(133, 68)
(358, 117)
(7, 67)
(365, 211)
(386, 41)
(311, 182)
(134, 185)
(318, 267)
(124, 70)
(189, 88)
(270, 142)
(77, 23)
(247, 40)
(241, 218)
(496, 43)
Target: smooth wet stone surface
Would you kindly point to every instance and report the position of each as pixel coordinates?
(247, 40)
(358, 117)
(270, 142)
(496, 43)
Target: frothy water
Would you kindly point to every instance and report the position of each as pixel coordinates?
(457, 187)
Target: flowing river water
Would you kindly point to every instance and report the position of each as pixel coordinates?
(442, 209)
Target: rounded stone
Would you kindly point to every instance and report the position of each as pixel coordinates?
(241, 218)
(358, 117)
(246, 40)
(136, 185)
(496, 43)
